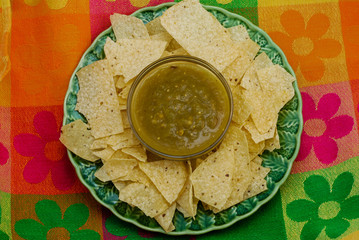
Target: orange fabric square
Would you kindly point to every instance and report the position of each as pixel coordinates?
(350, 27)
(45, 56)
(5, 146)
(5, 91)
(311, 38)
(40, 164)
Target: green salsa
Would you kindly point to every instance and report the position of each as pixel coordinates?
(180, 108)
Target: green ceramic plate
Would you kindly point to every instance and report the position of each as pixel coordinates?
(290, 124)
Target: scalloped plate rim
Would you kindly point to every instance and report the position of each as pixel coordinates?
(259, 203)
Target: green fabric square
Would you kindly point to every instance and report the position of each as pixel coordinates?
(5, 215)
(324, 203)
(265, 224)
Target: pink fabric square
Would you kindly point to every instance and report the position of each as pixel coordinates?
(100, 11)
(330, 133)
(5, 165)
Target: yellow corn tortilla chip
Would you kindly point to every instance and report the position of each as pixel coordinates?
(121, 100)
(120, 184)
(256, 135)
(257, 160)
(99, 144)
(238, 33)
(120, 156)
(212, 178)
(125, 121)
(186, 201)
(121, 137)
(178, 51)
(123, 107)
(183, 211)
(272, 143)
(76, 136)
(104, 154)
(162, 36)
(249, 48)
(165, 218)
(254, 148)
(119, 81)
(136, 175)
(137, 152)
(258, 170)
(241, 109)
(257, 186)
(234, 72)
(127, 57)
(276, 83)
(148, 199)
(154, 27)
(173, 45)
(199, 33)
(128, 27)
(168, 176)
(117, 169)
(97, 99)
(102, 175)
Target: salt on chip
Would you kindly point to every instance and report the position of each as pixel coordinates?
(212, 178)
(154, 27)
(148, 199)
(128, 27)
(102, 175)
(165, 218)
(117, 169)
(104, 154)
(137, 152)
(76, 136)
(128, 57)
(199, 33)
(256, 135)
(97, 99)
(168, 176)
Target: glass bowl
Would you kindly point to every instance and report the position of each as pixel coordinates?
(186, 132)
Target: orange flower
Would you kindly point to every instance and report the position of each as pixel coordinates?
(304, 45)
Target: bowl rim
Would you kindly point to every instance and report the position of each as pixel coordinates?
(261, 202)
(170, 59)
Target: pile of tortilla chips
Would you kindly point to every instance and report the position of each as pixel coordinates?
(221, 179)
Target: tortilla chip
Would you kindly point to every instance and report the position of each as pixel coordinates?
(154, 27)
(186, 201)
(137, 152)
(250, 80)
(136, 175)
(120, 185)
(126, 123)
(121, 137)
(238, 33)
(168, 176)
(199, 33)
(165, 218)
(128, 27)
(257, 160)
(128, 57)
(256, 135)
(162, 36)
(117, 169)
(249, 48)
(123, 107)
(76, 136)
(241, 109)
(257, 186)
(183, 211)
(119, 81)
(97, 99)
(124, 92)
(99, 144)
(212, 178)
(121, 100)
(272, 143)
(178, 51)
(173, 45)
(104, 154)
(257, 170)
(102, 175)
(120, 156)
(148, 199)
(234, 72)
(254, 148)
(276, 83)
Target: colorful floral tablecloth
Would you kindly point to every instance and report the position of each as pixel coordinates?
(40, 195)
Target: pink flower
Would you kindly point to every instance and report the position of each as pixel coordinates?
(4, 154)
(48, 153)
(321, 128)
